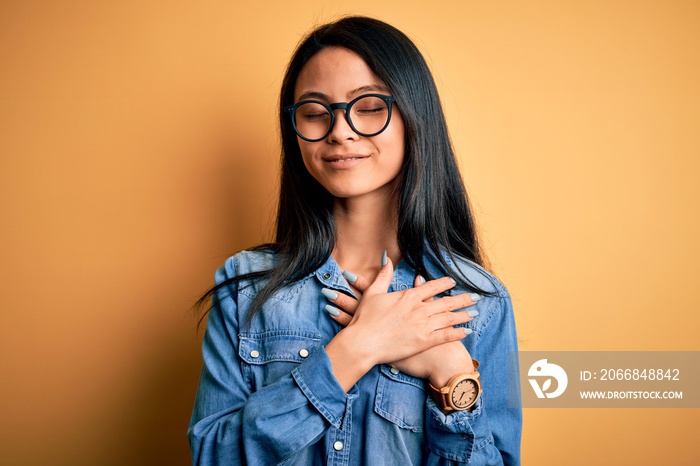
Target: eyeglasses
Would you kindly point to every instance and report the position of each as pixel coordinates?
(367, 115)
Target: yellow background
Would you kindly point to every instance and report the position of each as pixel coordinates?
(138, 149)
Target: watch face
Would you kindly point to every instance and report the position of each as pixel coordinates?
(464, 393)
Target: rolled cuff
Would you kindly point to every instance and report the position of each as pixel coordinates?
(457, 435)
(316, 380)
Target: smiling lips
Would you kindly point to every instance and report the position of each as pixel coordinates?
(344, 161)
(343, 157)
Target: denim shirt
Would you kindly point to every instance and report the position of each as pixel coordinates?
(267, 394)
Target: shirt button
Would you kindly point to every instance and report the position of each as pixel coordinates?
(338, 445)
(394, 370)
(403, 286)
(254, 354)
(303, 352)
(326, 276)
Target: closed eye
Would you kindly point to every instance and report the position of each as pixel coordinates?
(369, 111)
(315, 116)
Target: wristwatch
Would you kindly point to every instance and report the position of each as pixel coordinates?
(460, 393)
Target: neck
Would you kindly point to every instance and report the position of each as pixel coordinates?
(366, 226)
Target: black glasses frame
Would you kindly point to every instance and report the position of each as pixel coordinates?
(346, 106)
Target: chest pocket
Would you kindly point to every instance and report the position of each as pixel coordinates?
(268, 356)
(400, 399)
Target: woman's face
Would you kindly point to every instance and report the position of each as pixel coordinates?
(346, 164)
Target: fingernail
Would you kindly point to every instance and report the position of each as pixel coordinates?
(472, 313)
(384, 260)
(421, 278)
(330, 294)
(467, 330)
(475, 297)
(349, 276)
(453, 281)
(332, 310)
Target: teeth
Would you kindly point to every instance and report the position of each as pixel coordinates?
(348, 159)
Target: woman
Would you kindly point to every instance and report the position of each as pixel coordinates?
(318, 350)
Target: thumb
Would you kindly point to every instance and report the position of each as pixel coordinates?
(383, 280)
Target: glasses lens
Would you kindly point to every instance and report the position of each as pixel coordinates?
(312, 120)
(369, 115)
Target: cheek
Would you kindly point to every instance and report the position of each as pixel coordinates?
(396, 133)
(307, 157)
(395, 144)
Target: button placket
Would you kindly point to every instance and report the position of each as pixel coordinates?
(340, 455)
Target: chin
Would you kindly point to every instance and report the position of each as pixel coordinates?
(344, 193)
(348, 192)
(357, 185)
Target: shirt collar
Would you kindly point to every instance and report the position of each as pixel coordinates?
(330, 275)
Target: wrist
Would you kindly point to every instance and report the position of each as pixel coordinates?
(360, 351)
(459, 393)
(441, 375)
(349, 360)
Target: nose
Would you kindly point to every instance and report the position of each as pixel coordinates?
(341, 130)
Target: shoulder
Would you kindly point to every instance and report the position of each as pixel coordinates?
(241, 272)
(494, 308)
(247, 273)
(474, 274)
(246, 262)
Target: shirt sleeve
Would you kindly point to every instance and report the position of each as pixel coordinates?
(231, 424)
(489, 434)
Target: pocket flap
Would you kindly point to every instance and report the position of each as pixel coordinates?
(278, 345)
(400, 398)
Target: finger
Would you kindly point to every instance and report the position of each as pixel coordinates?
(432, 288)
(418, 282)
(338, 315)
(443, 320)
(447, 335)
(341, 300)
(358, 282)
(383, 280)
(452, 303)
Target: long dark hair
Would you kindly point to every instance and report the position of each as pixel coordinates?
(434, 216)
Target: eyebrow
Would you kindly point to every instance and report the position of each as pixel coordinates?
(354, 92)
